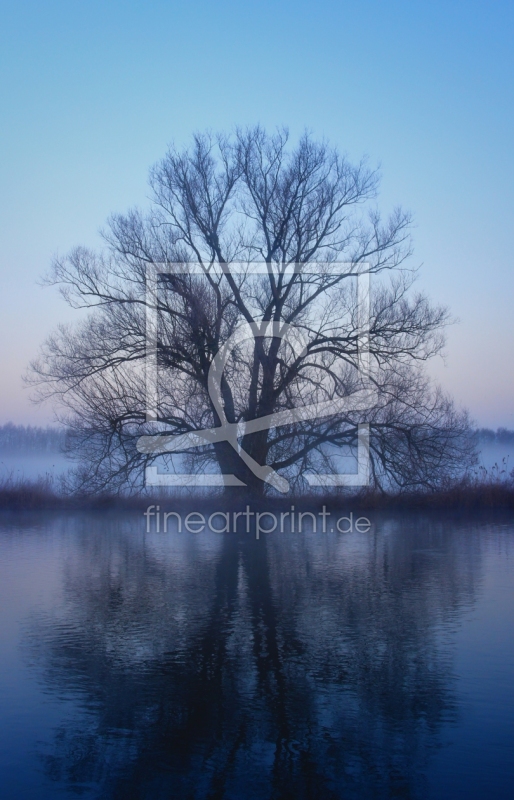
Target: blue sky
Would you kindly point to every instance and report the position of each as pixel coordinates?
(92, 93)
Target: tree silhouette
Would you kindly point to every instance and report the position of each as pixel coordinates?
(299, 212)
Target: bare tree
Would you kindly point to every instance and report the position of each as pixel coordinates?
(246, 199)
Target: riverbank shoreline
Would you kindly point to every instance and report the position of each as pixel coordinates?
(471, 495)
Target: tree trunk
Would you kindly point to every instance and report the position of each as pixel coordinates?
(230, 463)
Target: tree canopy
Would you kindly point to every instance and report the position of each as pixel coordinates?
(304, 215)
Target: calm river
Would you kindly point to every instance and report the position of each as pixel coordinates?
(299, 665)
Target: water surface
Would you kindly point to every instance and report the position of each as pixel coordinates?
(178, 665)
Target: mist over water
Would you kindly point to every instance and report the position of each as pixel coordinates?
(52, 463)
(497, 455)
(31, 466)
(29, 453)
(210, 665)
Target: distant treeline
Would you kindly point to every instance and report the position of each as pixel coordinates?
(34, 439)
(500, 436)
(31, 438)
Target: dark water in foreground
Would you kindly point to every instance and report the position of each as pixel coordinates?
(376, 665)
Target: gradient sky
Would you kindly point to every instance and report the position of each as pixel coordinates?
(92, 93)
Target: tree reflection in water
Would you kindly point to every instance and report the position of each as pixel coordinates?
(218, 666)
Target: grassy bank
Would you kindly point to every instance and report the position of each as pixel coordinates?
(486, 492)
